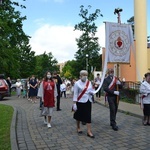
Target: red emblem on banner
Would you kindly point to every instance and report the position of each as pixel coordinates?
(119, 42)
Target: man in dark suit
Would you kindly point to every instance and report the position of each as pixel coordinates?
(110, 87)
(58, 82)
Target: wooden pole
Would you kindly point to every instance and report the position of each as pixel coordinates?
(117, 84)
(119, 21)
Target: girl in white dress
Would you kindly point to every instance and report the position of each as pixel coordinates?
(18, 87)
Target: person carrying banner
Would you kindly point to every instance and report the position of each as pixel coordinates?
(110, 87)
(82, 100)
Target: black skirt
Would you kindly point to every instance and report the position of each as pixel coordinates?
(83, 112)
(146, 110)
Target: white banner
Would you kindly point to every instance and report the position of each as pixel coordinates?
(119, 38)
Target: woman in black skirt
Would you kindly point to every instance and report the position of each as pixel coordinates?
(82, 102)
(145, 91)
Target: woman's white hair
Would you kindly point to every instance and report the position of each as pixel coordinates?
(82, 72)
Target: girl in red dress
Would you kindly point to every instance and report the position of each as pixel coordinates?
(48, 92)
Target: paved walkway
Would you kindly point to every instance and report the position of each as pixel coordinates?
(132, 109)
(29, 133)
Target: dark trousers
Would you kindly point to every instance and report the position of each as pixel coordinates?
(58, 100)
(113, 107)
(63, 92)
(98, 94)
(10, 90)
(41, 103)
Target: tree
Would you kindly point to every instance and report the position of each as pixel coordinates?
(88, 43)
(45, 62)
(27, 60)
(14, 42)
(131, 21)
(70, 70)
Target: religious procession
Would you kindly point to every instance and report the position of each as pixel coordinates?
(95, 96)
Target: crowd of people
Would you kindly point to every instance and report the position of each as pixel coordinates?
(52, 87)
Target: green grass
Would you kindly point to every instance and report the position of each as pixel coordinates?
(127, 100)
(13, 93)
(6, 113)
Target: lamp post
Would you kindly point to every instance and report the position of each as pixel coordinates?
(87, 62)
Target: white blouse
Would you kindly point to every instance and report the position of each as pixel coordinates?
(145, 91)
(18, 85)
(79, 87)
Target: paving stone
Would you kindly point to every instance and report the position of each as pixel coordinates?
(32, 134)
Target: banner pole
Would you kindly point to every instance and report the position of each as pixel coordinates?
(117, 11)
(117, 84)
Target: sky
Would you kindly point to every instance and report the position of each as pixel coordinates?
(50, 23)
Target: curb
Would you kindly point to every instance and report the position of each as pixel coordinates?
(122, 111)
(13, 137)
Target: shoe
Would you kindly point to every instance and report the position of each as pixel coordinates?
(49, 125)
(91, 136)
(58, 109)
(45, 122)
(79, 132)
(115, 128)
(111, 124)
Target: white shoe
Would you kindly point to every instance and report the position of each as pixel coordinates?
(45, 122)
(49, 125)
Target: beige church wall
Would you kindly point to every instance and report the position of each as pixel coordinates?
(148, 58)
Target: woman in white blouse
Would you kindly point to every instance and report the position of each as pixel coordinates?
(18, 87)
(145, 91)
(82, 100)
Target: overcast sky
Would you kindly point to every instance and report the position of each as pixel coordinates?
(50, 23)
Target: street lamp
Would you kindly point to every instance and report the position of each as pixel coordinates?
(87, 62)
